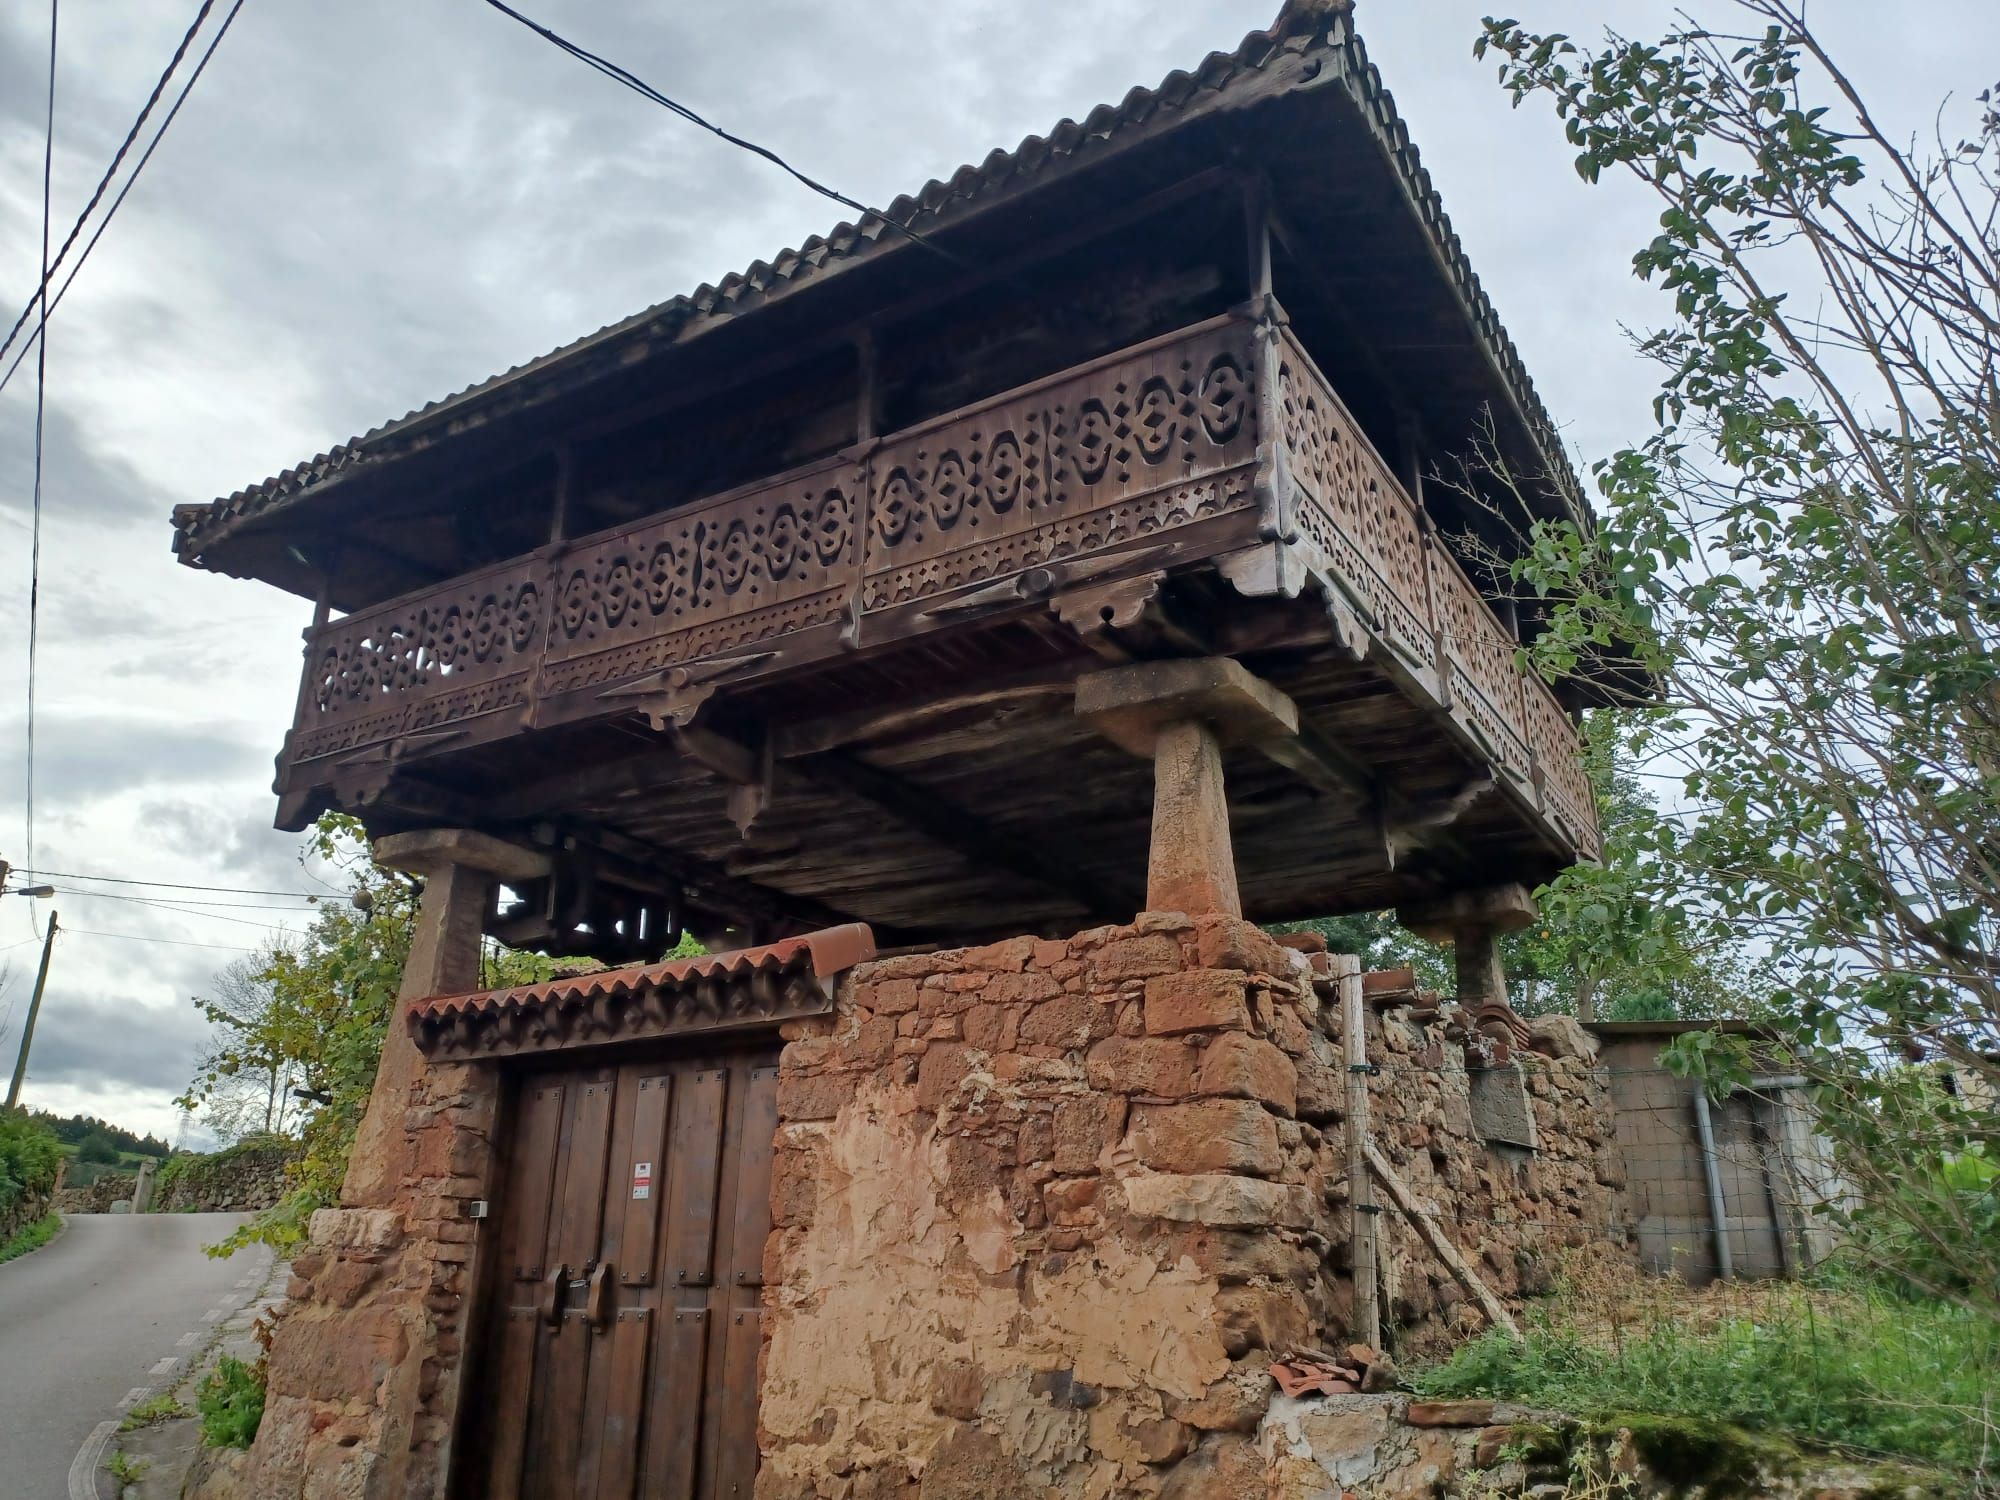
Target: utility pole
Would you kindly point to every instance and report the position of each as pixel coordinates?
(34, 1009)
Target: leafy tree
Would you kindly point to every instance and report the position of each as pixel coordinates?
(1802, 557)
(1604, 947)
(323, 1006)
(246, 1078)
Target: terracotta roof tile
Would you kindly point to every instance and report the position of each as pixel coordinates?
(824, 954)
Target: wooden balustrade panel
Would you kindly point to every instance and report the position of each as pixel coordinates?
(1151, 439)
(1484, 680)
(720, 575)
(1566, 793)
(1353, 509)
(456, 652)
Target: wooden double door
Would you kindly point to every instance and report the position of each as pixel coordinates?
(625, 1318)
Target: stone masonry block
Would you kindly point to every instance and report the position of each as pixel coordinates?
(1209, 1135)
(368, 1229)
(1246, 1067)
(1219, 1199)
(1159, 1066)
(1198, 1000)
(1224, 942)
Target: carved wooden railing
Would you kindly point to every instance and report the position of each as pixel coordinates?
(1151, 440)
(1415, 598)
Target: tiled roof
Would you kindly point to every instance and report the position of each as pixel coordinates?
(822, 954)
(682, 999)
(1302, 27)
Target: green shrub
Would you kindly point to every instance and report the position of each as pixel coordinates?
(31, 1236)
(30, 1157)
(1848, 1367)
(230, 1401)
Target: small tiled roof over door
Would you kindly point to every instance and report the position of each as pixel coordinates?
(683, 997)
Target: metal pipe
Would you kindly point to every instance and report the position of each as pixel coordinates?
(1705, 1128)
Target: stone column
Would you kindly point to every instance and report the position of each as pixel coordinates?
(365, 1368)
(1181, 714)
(1473, 922)
(1191, 865)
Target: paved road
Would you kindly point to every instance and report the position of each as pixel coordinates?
(113, 1304)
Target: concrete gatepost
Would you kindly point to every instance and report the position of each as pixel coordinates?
(1181, 714)
(1473, 922)
(365, 1369)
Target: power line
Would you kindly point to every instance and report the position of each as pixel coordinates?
(168, 885)
(134, 937)
(41, 391)
(110, 213)
(185, 911)
(171, 903)
(109, 172)
(645, 90)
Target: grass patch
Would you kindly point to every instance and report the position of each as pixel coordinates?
(164, 1407)
(126, 1469)
(230, 1401)
(1847, 1367)
(32, 1236)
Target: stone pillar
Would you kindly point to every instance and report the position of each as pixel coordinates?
(1191, 866)
(1473, 922)
(365, 1367)
(1181, 714)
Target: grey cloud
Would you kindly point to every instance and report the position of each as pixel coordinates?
(244, 843)
(106, 1041)
(83, 481)
(81, 757)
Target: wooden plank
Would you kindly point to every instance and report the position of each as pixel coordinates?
(624, 1404)
(1362, 1209)
(753, 1177)
(1440, 1243)
(513, 1385)
(693, 1173)
(950, 825)
(644, 1184)
(675, 1408)
(583, 1190)
(553, 1461)
(535, 1137)
(736, 1439)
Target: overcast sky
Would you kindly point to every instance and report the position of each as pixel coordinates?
(370, 204)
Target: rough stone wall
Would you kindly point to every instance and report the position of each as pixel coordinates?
(243, 1179)
(1511, 1209)
(1045, 1211)
(97, 1198)
(364, 1366)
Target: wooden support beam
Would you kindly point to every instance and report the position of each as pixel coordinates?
(1440, 1243)
(955, 828)
(1362, 1211)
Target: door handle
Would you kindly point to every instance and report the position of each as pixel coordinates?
(550, 1310)
(597, 1305)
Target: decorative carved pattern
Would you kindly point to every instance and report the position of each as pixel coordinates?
(1566, 792)
(1117, 450)
(1074, 537)
(475, 628)
(736, 555)
(1484, 681)
(1137, 445)
(1360, 517)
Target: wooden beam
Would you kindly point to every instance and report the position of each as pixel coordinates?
(1440, 1243)
(953, 827)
